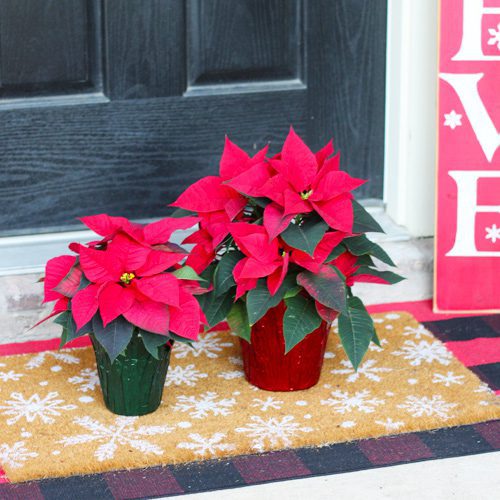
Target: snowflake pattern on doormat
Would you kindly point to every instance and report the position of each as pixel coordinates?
(53, 420)
(272, 431)
(34, 408)
(123, 432)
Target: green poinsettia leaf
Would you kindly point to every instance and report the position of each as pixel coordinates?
(305, 236)
(385, 276)
(65, 319)
(292, 292)
(300, 319)
(115, 337)
(260, 202)
(336, 252)
(355, 330)
(363, 221)
(187, 273)
(326, 286)
(215, 307)
(238, 320)
(365, 260)
(259, 300)
(375, 338)
(223, 275)
(152, 341)
(178, 213)
(361, 245)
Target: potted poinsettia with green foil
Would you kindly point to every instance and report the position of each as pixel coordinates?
(130, 293)
(282, 241)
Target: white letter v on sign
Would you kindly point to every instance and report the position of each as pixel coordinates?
(465, 85)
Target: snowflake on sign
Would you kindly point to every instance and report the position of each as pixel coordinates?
(428, 407)
(202, 406)
(15, 455)
(206, 446)
(209, 345)
(367, 369)
(41, 357)
(493, 233)
(122, 433)
(495, 36)
(424, 352)
(343, 402)
(34, 407)
(87, 380)
(187, 375)
(274, 431)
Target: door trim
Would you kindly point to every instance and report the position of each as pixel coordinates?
(410, 123)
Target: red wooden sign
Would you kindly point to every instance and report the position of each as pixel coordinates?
(467, 270)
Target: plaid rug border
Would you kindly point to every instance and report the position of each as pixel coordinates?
(459, 334)
(280, 465)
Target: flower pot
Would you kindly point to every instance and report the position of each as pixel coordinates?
(268, 367)
(133, 384)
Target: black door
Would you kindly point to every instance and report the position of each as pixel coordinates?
(116, 105)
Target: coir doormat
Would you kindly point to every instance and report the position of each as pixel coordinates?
(53, 422)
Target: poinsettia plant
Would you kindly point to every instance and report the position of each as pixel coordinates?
(130, 278)
(285, 227)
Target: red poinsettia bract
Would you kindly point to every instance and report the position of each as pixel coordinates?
(127, 273)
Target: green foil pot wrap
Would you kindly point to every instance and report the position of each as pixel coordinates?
(133, 384)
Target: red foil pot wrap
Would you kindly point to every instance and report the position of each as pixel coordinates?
(268, 367)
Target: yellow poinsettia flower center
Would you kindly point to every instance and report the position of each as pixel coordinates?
(127, 278)
(305, 194)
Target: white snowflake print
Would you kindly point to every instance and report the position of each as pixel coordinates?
(41, 357)
(15, 455)
(343, 402)
(493, 233)
(202, 406)
(376, 348)
(122, 433)
(10, 376)
(88, 380)
(452, 119)
(495, 36)
(367, 369)
(449, 379)
(424, 352)
(272, 431)
(389, 424)
(427, 407)
(236, 361)
(186, 375)
(206, 446)
(231, 374)
(209, 345)
(484, 387)
(418, 332)
(34, 407)
(268, 403)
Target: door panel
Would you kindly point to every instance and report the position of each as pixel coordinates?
(179, 75)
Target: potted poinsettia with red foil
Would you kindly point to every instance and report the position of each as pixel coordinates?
(282, 241)
(130, 293)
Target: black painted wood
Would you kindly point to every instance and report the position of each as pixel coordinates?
(46, 46)
(246, 40)
(135, 154)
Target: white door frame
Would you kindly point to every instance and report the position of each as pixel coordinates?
(411, 97)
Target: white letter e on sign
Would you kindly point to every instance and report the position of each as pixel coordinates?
(467, 208)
